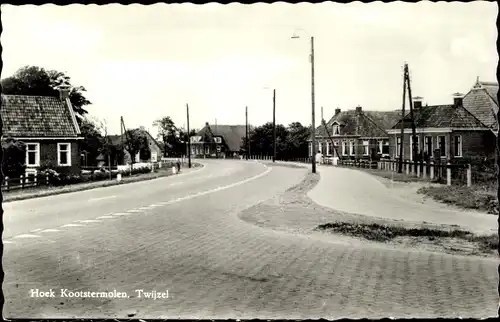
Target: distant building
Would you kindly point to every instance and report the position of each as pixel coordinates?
(49, 128)
(153, 145)
(356, 134)
(218, 141)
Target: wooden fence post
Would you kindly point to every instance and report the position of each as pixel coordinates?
(407, 168)
(412, 168)
(23, 179)
(448, 174)
(7, 183)
(47, 179)
(432, 170)
(469, 175)
(424, 170)
(418, 168)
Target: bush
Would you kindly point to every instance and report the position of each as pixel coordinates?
(14, 158)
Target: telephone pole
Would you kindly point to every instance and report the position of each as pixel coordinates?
(188, 137)
(313, 125)
(246, 130)
(401, 149)
(274, 125)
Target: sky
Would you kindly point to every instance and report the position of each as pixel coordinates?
(146, 62)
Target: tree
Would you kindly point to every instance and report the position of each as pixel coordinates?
(167, 133)
(33, 80)
(14, 158)
(136, 141)
(297, 140)
(93, 140)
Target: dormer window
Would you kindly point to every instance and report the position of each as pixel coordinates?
(217, 140)
(336, 129)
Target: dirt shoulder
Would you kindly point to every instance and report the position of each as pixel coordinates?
(43, 191)
(294, 212)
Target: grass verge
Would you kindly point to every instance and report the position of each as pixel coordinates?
(44, 191)
(468, 198)
(394, 176)
(384, 233)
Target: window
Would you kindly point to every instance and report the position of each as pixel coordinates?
(344, 147)
(33, 154)
(398, 146)
(458, 146)
(328, 148)
(310, 149)
(207, 150)
(351, 147)
(442, 146)
(154, 156)
(428, 145)
(193, 151)
(336, 129)
(366, 147)
(320, 148)
(417, 146)
(385, 147)
(380, 146)
(217, 140)
(64, 154)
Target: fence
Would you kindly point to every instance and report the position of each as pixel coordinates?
(36, 179)
(460, 174)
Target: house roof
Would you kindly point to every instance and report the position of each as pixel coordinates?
(117, 139)
(482, 101)
(38, 116)
(363, 124)
(441, 116)
(232, 134)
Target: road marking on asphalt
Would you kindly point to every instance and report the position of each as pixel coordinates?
(50, 230)
(102, 198)
(72, 225)
(155, 205)
(199, 194)
(145, 208)
(104, 217)
(26, 236)
(121, 214)
(89, 221)
(35, 230)
(8, 242)
(134, 211)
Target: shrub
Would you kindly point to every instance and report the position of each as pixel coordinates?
(14, 158)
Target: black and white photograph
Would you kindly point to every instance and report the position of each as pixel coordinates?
(250, 161)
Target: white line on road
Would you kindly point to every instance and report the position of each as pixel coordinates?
(7, 242)
(72, 225)
(134, 211)
(26, 236)
(155, 205)
(121, 214)
(35, 230)
(104, 217)
(102, 198)
(89, 221)
(199, 194)
(50, 230)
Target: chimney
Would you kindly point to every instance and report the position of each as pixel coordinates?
(337, 111)
(458, 99)
(206, 123)
(63, 91)
(358, 109)
(417, 102)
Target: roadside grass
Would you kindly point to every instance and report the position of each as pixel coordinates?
(483, 199)
(43, 191)
(386, 233)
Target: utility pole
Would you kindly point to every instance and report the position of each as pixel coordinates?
(313, 125)
(401, 149)
(413, 130)
(246, 131)
(274, 125)
(188, 137)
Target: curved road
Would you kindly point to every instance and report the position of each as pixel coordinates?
(182, 234)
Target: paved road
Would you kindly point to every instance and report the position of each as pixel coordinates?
(182, 234)
(358, 192)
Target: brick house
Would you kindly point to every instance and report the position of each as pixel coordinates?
(356, 134)
(482, 102)
(218, 141)
(154, 148)
(448, 132)
(49, 128)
